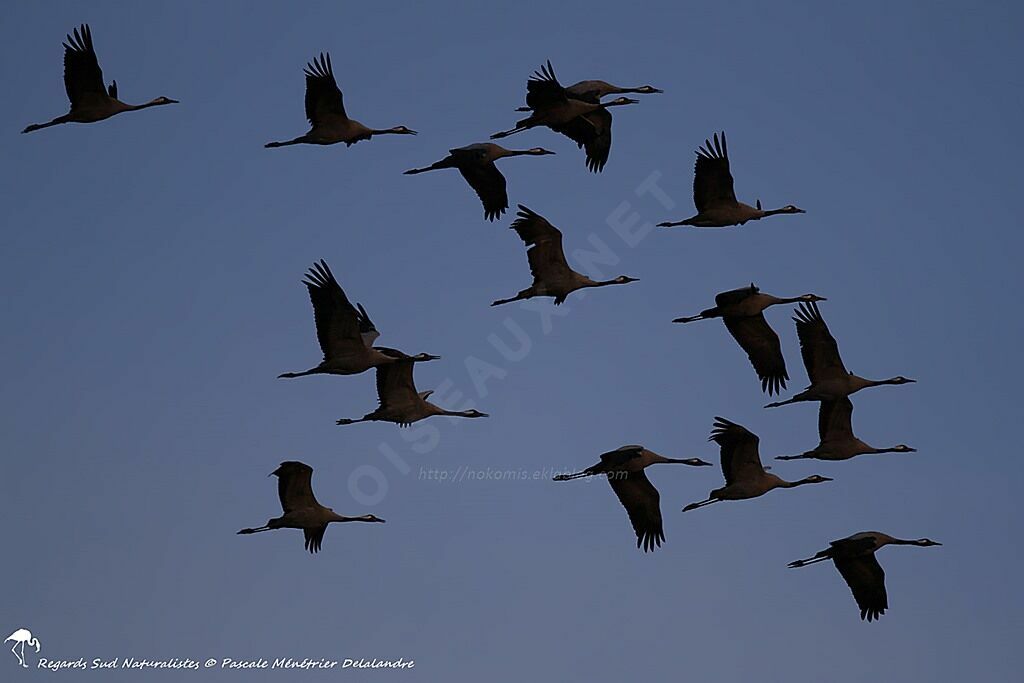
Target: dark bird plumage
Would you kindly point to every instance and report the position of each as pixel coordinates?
(325, 111)
(854, 557)
(742, 311)
(745, 476)
(552, 275)
(83, 82)
(576, 112)
(713, 194)
(399, 400)
(836, 440)
(624, 468)
(301, 508)
(345, 332)
(476, 164)
(829, 377)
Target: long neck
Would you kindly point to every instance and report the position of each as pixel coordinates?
(792, 484)
(342, 518)
(454, 413)
(900, 541)
(144, 105)
(385, 131)
(857, 382)
(772, 212)
(600, 283)
(884, 450)
(661, 458)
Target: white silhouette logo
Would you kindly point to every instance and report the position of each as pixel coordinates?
(20, 638)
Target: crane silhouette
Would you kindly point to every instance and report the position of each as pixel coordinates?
(301, 508)
(91, 101)
(854, 557)
(624, 467)
(325, 109)
(21, 637)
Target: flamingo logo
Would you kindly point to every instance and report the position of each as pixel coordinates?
(21, 637)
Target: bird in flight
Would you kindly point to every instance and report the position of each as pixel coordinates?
(624, 467)
(745, 477)
(345, 332)
(301, 509)
(325, 110)
(592, 130)
(476, 164)
(552, 275)
(91, 101)
(836, 439)
(713, 195)
(742, 311)
(854, 557)
(400, 402)
(830, 379)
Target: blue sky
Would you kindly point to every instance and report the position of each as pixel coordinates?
(151, 269)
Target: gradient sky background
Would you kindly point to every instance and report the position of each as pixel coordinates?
(151, 268)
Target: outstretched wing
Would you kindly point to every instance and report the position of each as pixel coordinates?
(314, 538)
(620, 456)
(488, 183)
(338, 323)
(642, 502)
(395, 386)
(740, 458)
(83, 78)
(712, 181)
(547, 260)
(367, 330)
(817, 345)
(294, 486)
(593, 132)
(324, 102)
(735, 296)
(866, 580)
(543, 88)
(835, 420)
(763, 348)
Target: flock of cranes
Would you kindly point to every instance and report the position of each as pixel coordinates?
(347, 335)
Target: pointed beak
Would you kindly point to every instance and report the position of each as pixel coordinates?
(170, 101)
(431, 356)
(827, 479)
(409, 132)
(800, 211)
(630, 100)
(484, 415)
(702, 463)
(656, 90)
